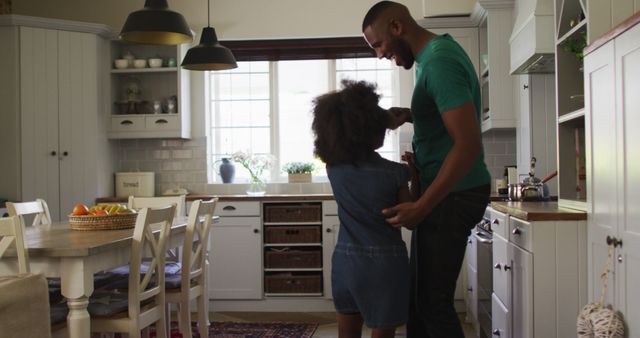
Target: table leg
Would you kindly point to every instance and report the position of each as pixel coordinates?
(78, 320)
(77, 286)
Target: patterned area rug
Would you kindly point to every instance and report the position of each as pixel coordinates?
(251, 330)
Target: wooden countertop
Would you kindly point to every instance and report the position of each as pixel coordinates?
(539, 211)
(269, 197)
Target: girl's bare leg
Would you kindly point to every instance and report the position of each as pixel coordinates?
(349, 325)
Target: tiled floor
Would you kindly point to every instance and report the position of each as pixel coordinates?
(328, 327)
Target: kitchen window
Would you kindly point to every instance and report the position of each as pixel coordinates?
(264, 107)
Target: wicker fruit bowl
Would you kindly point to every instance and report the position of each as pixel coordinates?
(106, 222)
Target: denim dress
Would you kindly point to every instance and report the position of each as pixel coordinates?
(370, 264)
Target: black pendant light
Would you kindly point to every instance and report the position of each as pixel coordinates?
(209, 54)
(156, 24)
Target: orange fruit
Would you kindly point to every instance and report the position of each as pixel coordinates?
(80, 210)
(100, 213)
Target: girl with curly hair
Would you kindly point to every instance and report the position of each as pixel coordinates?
(370, 266)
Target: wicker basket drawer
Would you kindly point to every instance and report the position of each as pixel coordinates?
(293, 259)
(293, 213)
(290, 283)
(292, 234)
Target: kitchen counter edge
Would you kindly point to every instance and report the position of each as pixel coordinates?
(539, 211)
(237, 198)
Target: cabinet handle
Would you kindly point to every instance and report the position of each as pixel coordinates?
(496, 222)
(619, 258)
(497, 266)
(470, 289)
(255, 231)
(328, 230)
(525, 87)
(470, 241)
(66, 153)
(53, 153)
(161, 121)
(506, 267)
(614, 241)
(126, 122)
(496, 332)
(229, 208)
(516, 231)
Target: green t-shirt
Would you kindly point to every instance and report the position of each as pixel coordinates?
(445, 79)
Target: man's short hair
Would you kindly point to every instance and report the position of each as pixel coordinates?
(375, 11)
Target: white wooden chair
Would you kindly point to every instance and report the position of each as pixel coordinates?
(193, 276)
(11, 234)
(157, 202)
(146, 293)
(38, 208)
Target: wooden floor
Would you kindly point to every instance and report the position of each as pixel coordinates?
(328, 327)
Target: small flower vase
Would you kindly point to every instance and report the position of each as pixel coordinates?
(256, 187)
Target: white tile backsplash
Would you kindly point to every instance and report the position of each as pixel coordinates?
(182, 163)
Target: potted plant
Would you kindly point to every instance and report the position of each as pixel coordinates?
(299, 172)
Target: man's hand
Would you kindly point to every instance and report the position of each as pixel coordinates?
(399, 116)
(406, 215)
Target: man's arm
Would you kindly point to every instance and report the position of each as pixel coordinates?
(462, 126)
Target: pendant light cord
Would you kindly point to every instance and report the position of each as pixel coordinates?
(208, 13)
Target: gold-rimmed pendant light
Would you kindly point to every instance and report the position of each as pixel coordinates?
(209, 54)
(156, 24)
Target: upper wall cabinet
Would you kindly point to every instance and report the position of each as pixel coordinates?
(438, 8)
(484, 34)
(606, 14)
(149, 92)
(495, 79)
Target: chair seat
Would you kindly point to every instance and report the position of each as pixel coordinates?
(104, 303)
(121, 282)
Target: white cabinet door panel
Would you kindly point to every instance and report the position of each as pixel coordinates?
(522, 293)
(330, 230)
(236, 259)
(501, 321)
(501, 270)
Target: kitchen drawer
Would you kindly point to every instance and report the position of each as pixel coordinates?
(520, 233)
(500, 318)
(499, 223)
(288, 259)
(501, 270)
(127, 123)
(164, 122)
(295, 212)
(293, 283)
(472, 250)
(225, 209)
(330, 208)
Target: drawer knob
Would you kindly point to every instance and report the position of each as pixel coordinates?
(161, 121)
(497, 266)
(470, 289)
(496, 332)
(614, 241)
(496, 222)
(126, 122)
(506, 267)
(255, 231)
(328, 230)
(516, 231)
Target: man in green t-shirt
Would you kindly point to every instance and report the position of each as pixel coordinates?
(454, 181)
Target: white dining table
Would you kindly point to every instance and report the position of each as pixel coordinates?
(75, 256)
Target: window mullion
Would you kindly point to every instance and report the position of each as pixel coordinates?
(274, 118)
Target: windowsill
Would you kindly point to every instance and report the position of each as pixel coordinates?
(272, 188)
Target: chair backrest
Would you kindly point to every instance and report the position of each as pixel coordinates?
(11, 232)
(157, 202)
(38, 208)
(145, 243)
(196, 242)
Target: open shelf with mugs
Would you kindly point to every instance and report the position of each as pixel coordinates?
(149, 92)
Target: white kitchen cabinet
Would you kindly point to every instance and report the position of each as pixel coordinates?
(612, 116)
(235, 252)
(53, 132)
(495, 79)
(536, 130)
(606, 14)
(330, 230)
(539, 277)
(131, 119)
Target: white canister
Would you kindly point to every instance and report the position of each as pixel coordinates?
(141, 184)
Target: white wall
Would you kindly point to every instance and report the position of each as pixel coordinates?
(232, 19)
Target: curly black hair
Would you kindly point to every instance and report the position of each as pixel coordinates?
(348, 124)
